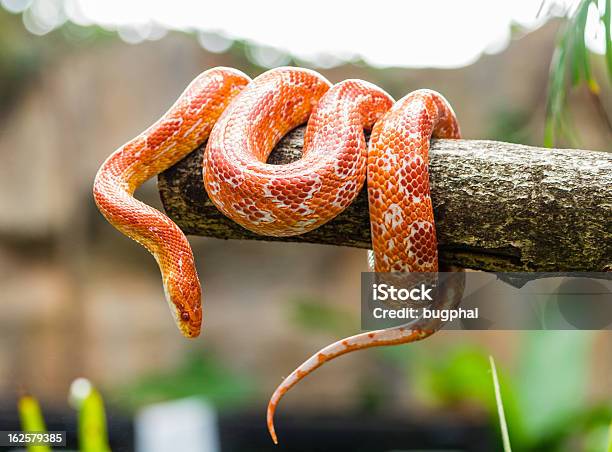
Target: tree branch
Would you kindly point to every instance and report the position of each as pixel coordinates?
(498, 206)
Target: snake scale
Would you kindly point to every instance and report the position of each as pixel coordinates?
(243, 119)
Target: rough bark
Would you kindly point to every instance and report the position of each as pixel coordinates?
(498, 206)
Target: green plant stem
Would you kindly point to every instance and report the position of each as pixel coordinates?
(500, 407)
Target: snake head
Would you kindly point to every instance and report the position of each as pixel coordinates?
(184, 298)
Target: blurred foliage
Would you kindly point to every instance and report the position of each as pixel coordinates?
(511, 126)
(92, 431)
(319, 316)
(19, 58)
(545, 398)
(200, 375)
(23, 55)
(32, 420)
(552, 387)
(459, 376)
(570, 66)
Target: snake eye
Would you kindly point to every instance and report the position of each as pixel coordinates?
(184, 316)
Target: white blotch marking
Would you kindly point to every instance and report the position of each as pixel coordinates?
(340, 201)
(238, 210)
(163, 151)
(267, 217)
(305, 225)
(192, 128)
(213, 188)
(340, 172)
(250, 216)
(389, 159)
(393, 216)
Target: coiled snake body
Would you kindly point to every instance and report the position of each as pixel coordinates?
(243, 120)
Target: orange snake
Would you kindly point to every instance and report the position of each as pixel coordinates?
(243, 120)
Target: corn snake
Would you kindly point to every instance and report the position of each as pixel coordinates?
(242, 121)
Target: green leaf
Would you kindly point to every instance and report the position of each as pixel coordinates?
(32, 420)
(576, 69)
(500, 407)
(93, 436)
(573, 59)
(582, 57)
(607, 21)
(556, 92)
(575, 39)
